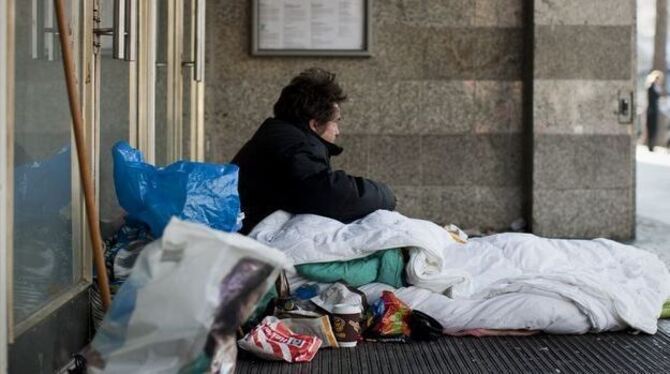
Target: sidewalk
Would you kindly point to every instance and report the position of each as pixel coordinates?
(654, 236)
(653, 201)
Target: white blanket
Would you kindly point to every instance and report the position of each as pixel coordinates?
(505, 281)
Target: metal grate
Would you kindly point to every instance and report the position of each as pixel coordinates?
(593, 353)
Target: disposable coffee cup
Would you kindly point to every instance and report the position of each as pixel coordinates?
(346, 321)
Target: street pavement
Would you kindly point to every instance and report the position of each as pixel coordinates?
(653, 201)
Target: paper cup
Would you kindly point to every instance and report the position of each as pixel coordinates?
(346, 321)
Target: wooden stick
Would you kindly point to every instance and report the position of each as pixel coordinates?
(84, 169)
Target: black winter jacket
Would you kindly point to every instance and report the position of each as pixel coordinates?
(287, 166)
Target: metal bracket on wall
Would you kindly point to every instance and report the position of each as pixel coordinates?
(624, 110)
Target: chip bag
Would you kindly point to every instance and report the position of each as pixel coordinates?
(391, 319)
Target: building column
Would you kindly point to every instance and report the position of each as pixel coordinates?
(583, 180)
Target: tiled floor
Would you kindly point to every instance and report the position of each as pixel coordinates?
(592, 353)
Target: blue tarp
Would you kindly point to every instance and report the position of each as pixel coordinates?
(192, 191)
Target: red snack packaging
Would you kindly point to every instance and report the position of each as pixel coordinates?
(273, 340)
(391, 319)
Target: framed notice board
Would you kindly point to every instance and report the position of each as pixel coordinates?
(311, 28)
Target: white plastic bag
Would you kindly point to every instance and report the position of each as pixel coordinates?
(187, 294)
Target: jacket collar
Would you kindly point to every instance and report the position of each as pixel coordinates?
(333, 149)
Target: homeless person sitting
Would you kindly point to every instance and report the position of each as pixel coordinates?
(286, 164)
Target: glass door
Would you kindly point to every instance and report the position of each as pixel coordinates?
(46, 259)
(47, 299)
(140, 67)
(117, 101)
(179, 84)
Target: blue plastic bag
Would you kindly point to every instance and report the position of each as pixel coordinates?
(192, 191)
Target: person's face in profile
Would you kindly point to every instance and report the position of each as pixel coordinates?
(330, 130)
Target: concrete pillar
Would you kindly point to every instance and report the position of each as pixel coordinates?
(583, 158)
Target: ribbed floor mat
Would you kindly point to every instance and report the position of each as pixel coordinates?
(592, 353)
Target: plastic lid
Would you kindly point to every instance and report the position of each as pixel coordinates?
(347, 344)
(346, 309)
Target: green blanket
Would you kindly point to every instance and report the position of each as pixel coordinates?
(665, 312)
(384, 267)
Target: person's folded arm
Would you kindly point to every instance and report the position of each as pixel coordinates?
(317, 189)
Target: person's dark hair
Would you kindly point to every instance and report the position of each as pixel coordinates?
(310, 95)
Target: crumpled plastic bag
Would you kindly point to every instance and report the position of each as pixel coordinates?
(339, 293)
(192, 191)
(273, 340)
(180, 308)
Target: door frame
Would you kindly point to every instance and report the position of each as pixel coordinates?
(8, 190)
(5, 13)
(146, 79)
(197, 103)
(175, 79)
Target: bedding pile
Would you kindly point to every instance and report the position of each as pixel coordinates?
(508, 281)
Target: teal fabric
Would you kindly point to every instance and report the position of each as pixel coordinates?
(384, 266)
(392, 268)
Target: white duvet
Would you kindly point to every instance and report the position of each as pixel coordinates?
(505, 281)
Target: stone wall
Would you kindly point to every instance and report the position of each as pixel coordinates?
(436, 112)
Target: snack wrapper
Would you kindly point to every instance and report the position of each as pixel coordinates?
(319, 327)
(273, 340)
(391, 318)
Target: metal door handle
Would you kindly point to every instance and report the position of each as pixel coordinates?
(43, 30)
(123, 30)
(199, 42)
